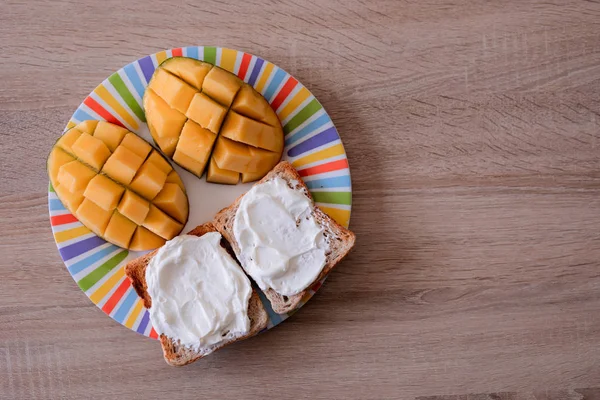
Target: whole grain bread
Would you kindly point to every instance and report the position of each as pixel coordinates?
(174, 353)
(341, 240)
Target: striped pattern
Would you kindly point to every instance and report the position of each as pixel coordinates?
(312, 145)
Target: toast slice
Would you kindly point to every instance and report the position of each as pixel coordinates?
(341, 240)
(174, 353)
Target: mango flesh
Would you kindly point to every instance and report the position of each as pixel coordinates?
(207, 119)
(118, 185)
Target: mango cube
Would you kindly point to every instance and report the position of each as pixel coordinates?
(149, 180)
(91, 150)
(93, 216)
(232, 155)
(173, 201)
(110, 134)
(196, 143)
(74, 176)
(174, 177)
(188, 163)
(243, 129)
(122, 165)
(136, 144)
(57, 158)
(161, 224)
(69, 199)
(158, 160)
(119, 230)
(104, 192)
(221, 85)
(218, 175)
(165, 121)
(172, 90)
(88, 126)
(191, 71)
(263, 162)
(250, 103)
(143, 239)
(67, 140)
(134, 207)
(206, 112)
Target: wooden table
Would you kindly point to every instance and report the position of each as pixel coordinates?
(473, 134)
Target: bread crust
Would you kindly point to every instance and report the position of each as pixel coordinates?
(341, 240)
(175, 354)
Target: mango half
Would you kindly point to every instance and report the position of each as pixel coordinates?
(118, 185)
(205, 117)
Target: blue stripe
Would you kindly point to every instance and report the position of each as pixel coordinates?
(147, 66)
(275, 82)
(55, 205)
(255, 71)
(192, 52)
(309, 128)
(135, 80)
(337, 181)
(143, 323)
(327, 136)
(125, 306)
(81, 115)
(78, 248)
(273, 316)
(86, 262)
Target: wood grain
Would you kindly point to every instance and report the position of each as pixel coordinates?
(473, 134)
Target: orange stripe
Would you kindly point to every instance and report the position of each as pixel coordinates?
(116, 296)
(327, 167)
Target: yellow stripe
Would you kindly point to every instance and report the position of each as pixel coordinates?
(332, 151)
(134, 314)
(263, 78)
(108, 98)
(342, 217)
(71, 124)
(161, 56)
(228, 57)
(71, 234)
(107, 286)
(298, 99)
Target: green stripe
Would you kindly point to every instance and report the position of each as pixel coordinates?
(117, 82)
(332, 197)
(90, 279)
(50, 188)
(308, 111)
(210, 55)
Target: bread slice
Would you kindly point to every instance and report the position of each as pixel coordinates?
(341, 240)
(174, 353)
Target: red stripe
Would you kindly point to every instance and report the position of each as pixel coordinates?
(116, 296)
(178, 52)
(316, 286)
(284, 92)
(101, 111)
(62, 219)
(244, 65)
(153, 334)
(327, 167)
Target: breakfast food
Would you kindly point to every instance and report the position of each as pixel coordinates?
(281, 239)
(198, 297)
(203, 116)
(118, 185)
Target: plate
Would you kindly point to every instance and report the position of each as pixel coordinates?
(312, 145)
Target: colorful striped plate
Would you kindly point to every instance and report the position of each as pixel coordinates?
(312, 145)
